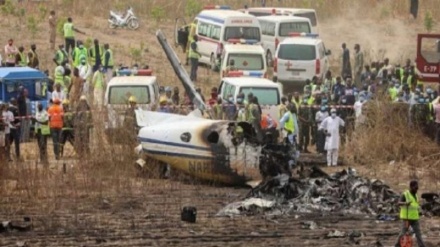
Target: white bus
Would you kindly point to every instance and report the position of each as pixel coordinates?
(216, 27)
(275, 29)
(265, 11)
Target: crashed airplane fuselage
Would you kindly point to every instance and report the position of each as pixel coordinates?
(203, 148)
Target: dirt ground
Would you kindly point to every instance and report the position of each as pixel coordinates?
(82, 207)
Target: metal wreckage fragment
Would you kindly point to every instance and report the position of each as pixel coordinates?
(315, 192)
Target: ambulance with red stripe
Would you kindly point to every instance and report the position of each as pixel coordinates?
(299, 58)
(215, 26)
(248, 59)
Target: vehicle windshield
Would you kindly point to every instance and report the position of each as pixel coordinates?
(293, 27)
(118, 95)
(297, 52)
(242, 33)
(265, 95)
(309, 15)
(247, 61)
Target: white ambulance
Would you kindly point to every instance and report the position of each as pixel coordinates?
(275, 29)
(266, 11)
(300, 58)
(143, 87)
(268, 92)
(248, 59)
(216, 26)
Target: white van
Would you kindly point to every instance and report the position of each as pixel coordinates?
(265, 11)
(268, 93)
(275, 29)
(216, 27)
(300, 58)
(119, 89)
(248, 60)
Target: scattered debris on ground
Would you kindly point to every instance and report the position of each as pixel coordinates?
(21, 226)
(344, 192)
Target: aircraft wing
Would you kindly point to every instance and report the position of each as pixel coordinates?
(180, 71)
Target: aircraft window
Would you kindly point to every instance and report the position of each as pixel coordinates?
(213, 137)
(185, 137)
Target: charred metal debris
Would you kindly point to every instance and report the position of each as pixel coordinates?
(317, 192)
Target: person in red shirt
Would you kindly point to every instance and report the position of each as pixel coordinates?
(56, 124)
(214, 95)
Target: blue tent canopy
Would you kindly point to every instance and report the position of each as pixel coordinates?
(14, 74)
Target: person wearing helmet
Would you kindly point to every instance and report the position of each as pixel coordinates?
(163, 105)
(67, 130)
(330, 127)
(56, 124)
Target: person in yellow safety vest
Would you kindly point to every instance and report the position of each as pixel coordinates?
(96, 54)
(69, 35)
(42, 130)
(60, 56)
(296, 100)
(289, 125)
(409, 213)
(67, 81)
(393, 91)
(79, 52)
(191, 33)
(282, 108)
(194, 56)
(107, 62)
(34, 62)
(59, 74)
(99, 86)
(21, 59)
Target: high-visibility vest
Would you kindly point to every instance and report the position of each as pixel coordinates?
(99, 82)
(250, 116)
(44, 89)
(67, 80)
(78, 52)
(68, 30)
(430, 116)
(410, 212)
(23, 59)
(193, 53)
(409, 79)
(68, 121)
(61, 56)
(92, 54)
(311, 100)
(393, 93)
(297, 103)
(59, 77)
(110, 59)
(289, 125)
(192, 32)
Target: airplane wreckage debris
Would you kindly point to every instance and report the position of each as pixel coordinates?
(209, 149)
(343, 192)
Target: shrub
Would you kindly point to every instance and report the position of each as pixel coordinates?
(32, 26)
(428, 21)
(157, 13)
(192, 8)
